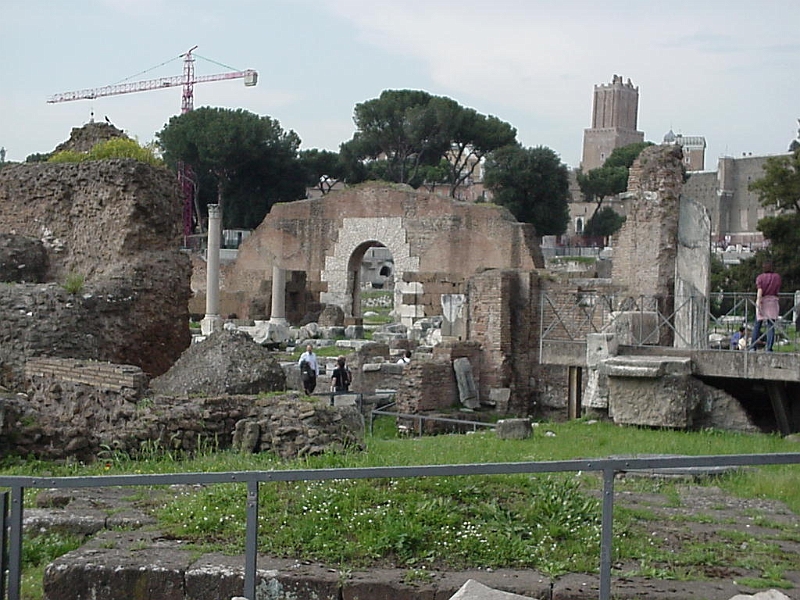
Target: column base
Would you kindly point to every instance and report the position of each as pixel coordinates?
(211, 324)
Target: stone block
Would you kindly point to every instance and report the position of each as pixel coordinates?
(636, 327)
(499, 399)
(600, 346)
(662, 402)
(386, 337)
(514, 429)
(646, 366)
(467, 390)
(157, 573)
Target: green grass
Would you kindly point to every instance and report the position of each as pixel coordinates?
(550, 523)
(37, 552)
(383, 314)
(322, 352)
(73, 283)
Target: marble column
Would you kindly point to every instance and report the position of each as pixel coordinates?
(212, 321)
(278, 313)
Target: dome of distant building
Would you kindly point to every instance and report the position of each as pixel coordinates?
(669, 137)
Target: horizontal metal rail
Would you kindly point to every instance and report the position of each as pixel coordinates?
(420, 419)
(609, 467)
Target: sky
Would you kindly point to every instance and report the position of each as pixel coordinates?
(726, 70)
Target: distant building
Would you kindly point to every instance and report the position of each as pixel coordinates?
(694, 149)
(733, 208)
(614, 119)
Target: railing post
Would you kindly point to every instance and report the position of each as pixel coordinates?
(15, 544)
(3, 543)
(606, 535)
(251, 542)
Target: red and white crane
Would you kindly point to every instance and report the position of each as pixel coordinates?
(187, 80)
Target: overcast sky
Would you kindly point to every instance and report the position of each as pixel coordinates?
(727, 70)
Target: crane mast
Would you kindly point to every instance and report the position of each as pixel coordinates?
(188, 79)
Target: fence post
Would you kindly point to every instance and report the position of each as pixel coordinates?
(606, 535)
(251, 542)
(15, 544)
(796, 312)
(3, 542)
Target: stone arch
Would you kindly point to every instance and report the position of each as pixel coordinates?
(356, 235)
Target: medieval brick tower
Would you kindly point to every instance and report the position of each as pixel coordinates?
(614, 117)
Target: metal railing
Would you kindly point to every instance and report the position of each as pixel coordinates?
(653, 320)
(420, 419)
(13, 523)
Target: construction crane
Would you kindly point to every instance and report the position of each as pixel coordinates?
(188, 79)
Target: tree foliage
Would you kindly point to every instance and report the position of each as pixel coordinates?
(396, 128)
(533, 184)
(600, 183)
(625, 155)
(780, 185)
(249, 159)
(612, 177)
(783, 233)
(410, 136)
(604, 222)
(322, 169)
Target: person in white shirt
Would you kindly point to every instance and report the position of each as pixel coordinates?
(309, 369)
(405, 359)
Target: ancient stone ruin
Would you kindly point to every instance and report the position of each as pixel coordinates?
(215, 398)
(99, 272)
(470, 294)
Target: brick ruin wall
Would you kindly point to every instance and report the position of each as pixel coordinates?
(318, 239)
(116, 225)
(645, 247)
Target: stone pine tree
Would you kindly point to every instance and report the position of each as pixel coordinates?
(322, 169)
(250, 159)
(410, 136)
(394, 135)
(533, 184)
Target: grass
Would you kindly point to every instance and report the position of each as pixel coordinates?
(73, 283)
(379, 302)
(549, 523)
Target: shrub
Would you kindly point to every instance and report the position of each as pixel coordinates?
(113, 148)
(74, 283)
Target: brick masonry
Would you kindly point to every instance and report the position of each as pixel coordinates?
(326, 238)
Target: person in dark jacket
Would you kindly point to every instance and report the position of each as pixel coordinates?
(341, 378)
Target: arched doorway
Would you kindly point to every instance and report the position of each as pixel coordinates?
(371, 278)
(342, 268)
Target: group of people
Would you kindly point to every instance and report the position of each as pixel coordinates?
(768, 286)
(341, 378)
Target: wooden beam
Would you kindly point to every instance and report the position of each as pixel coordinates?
(575, 391)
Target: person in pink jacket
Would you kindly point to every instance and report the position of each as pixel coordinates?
(768, 285)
